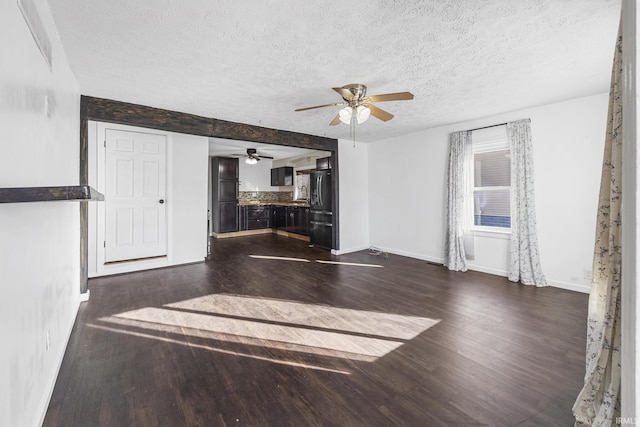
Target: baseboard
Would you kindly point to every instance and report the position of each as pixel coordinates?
(52, 381)
(349, 250)
(577, 287)
(421, 257)
(242, 233)
(488, 270)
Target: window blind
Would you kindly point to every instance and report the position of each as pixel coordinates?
(491, 178)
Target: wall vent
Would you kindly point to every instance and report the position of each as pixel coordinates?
(32, 18)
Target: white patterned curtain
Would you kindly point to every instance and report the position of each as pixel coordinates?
(459, 155)
(598, 403)
(524, 255)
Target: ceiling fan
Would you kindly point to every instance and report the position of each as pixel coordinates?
(359, 106)
(252, 157)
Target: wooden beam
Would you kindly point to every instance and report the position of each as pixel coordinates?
(106, 110)
(240, 131)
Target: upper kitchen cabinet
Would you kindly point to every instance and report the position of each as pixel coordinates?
(227, 168)
(282, 176)
(324, 163)
(224, 175)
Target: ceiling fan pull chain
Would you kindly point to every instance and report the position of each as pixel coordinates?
(353, 126)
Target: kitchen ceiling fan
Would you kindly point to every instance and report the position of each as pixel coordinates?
(252, 157)
(358, 106)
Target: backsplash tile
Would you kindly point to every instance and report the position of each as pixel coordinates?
(266, 196)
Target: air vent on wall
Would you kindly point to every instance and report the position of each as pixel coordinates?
(32, 18)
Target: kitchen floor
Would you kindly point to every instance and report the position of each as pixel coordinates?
(271, 332)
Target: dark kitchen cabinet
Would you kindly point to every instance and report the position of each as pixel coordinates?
(242, 218)
(324, 163)
(227, 190)
(227, 168)
(278, 217)
(228, 219)
(296, 220)
(282, 176)
(254, 217)
(304, 221)
(292, 218)
(224, 186)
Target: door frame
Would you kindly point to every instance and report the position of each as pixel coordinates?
(124, 113)
(97, 211)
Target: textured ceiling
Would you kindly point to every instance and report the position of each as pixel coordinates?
(256, 61)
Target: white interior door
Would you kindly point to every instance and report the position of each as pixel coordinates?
(135, 190)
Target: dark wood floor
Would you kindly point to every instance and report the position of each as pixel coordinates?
(502, 354)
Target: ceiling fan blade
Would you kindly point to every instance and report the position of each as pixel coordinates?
(398, 96)
(320, 106)
(238, 155)
(379, 113)
(345, 93)
(260, 156)
(335, 121)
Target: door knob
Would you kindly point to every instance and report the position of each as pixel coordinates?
(161, 201)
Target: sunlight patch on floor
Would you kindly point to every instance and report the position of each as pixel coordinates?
(365, 322)
(271, 323)
(266, 332)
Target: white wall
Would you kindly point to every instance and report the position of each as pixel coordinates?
(188, 232)
(256, 177)
(187, 200)
(407, 190)
(39, 242)
(354, 196)
(406, 194)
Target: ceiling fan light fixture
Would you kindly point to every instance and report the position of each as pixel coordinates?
(251, 161)
(362, 113)
(345, 115)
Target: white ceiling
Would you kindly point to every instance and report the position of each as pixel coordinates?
(255, 61)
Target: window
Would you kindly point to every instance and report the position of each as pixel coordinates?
(302, 185)
(490, 179)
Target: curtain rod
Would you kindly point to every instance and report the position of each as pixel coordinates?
(486, 127)
(492, 126)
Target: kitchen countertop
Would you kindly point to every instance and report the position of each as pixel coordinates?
(266, 203)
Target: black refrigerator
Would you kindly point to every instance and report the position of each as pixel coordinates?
(321, 215)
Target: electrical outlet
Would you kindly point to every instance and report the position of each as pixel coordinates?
(588, 275)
